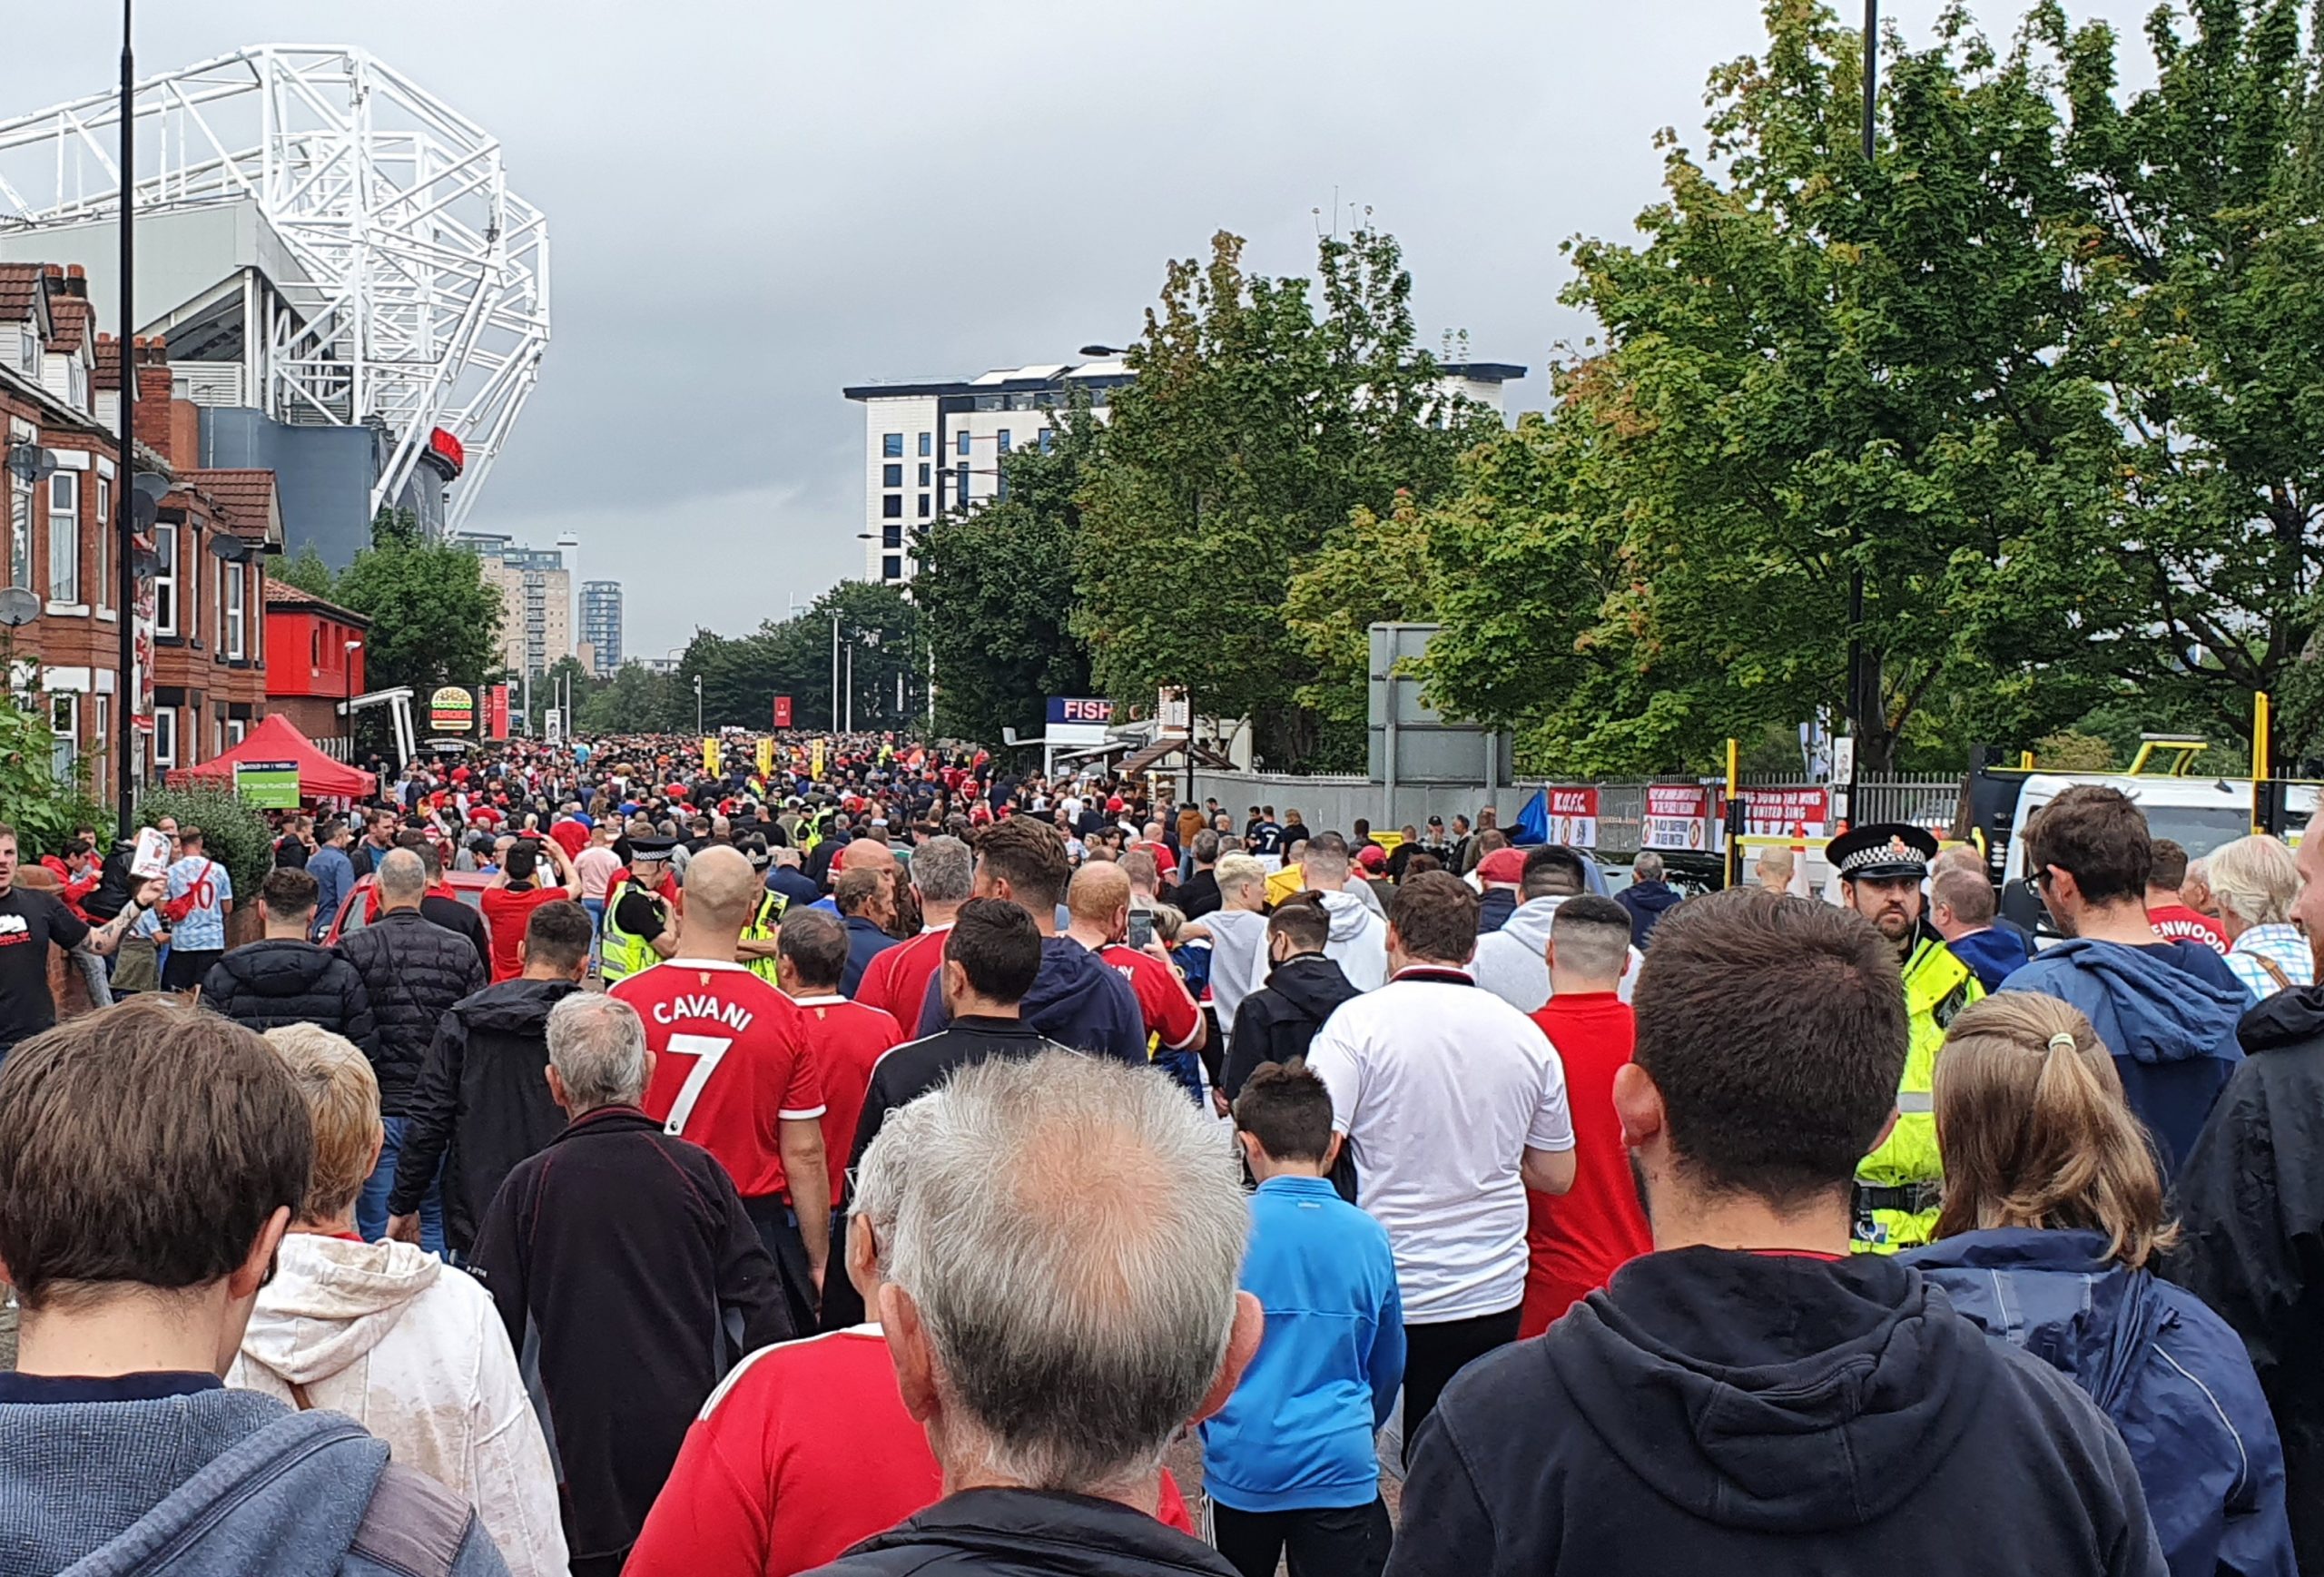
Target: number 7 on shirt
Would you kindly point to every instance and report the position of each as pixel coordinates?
(708, 1052)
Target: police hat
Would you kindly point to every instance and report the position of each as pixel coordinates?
(651, 848)
(1883, 852)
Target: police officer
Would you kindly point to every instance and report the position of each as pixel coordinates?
(1881, 868)
(756, 949)
(641, 928)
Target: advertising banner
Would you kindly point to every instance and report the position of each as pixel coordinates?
(714, 758)
(451, 710)
(1680, 816)
(271, 786)
(1788, 812)
(1572, 816)
(782, 711)
(767, 758)
(497, 713)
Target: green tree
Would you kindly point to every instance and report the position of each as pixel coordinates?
(43, 807)
(565, 676)
(742, 675)
(1373, 569)
(306, 570)
(434, 621)
(1261, 419)
(636, 700)
(1814, 365)
(995, 587)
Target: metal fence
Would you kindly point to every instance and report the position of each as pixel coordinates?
(1337, 801)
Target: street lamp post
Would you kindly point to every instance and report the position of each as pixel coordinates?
(1862, 675)
(124, 525)
(697, 705)
(347, 665)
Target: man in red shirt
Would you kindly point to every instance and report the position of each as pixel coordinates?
(943, 874)
(1098, 900)
(2167, 909)
(734, 1071)
(846, 1039)
(510, 902)
(1580, 1239)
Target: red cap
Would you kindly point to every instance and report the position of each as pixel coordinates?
(1502, 868)
(1115, 803)
(1372, 856)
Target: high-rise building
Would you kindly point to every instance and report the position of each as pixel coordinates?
(935, 448)
(601, 624)
(535, 600)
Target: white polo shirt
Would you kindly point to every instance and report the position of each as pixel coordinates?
(1441, 1087)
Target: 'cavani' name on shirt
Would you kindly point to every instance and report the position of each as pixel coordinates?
(733, 1015)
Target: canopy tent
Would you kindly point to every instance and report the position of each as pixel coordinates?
(277, 738)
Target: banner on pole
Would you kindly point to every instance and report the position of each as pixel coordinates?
(1572, 816)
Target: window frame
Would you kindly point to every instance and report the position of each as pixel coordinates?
(65, 748)
(892, 446)
(103, 597)
(233, 592)
(891, 506)
(165, 721)
(64, 537)
(166, 582)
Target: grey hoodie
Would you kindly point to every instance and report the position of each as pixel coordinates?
(1358, 943)
(219, 1482)
(1513, 962)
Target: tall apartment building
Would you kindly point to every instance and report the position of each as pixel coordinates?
(535, 600)
(601, 624)
(930, 448)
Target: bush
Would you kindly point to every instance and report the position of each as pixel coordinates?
(234, 830)
(43, 810)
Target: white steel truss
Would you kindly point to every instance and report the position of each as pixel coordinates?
(424, 302)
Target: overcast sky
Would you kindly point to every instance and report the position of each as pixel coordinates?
(753, 204)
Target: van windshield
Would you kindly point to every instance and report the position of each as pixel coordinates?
(2198, 828)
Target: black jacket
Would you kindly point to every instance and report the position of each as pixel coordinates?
(1495, 908)
(1197, 895)
(1015, 1532)
(626, 1255)
(2249, 1199)
(414, 970)
(1648, 902)
(461, 920)
(482, 1104)
(901, 1077)
(1279, 1021)
(261, 984)
(1716, 1411)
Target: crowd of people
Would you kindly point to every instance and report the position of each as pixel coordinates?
(873, 1160)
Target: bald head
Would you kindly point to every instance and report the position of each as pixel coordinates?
(721, 888)
(868, 854)
(403, 880)
(1098, 898)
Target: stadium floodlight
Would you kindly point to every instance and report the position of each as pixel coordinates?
(419, 290)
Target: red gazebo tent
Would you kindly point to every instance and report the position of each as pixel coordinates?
(277, 738)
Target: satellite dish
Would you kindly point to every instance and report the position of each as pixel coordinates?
(142, 511)
(30, 462)
(228, 547)
(18, 607)
(150, 485)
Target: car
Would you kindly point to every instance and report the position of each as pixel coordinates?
(354, 910)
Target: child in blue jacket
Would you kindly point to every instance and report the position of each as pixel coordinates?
(1289, 1462)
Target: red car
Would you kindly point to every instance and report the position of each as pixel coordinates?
(468, 886)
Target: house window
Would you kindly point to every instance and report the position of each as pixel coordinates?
(189, 568)
(103, 594)
(64, 537)
(891, 476)
(165, 584)
(923, 474)
(891, 444)
(1004, 441)
(314, 652)
(926, 445)
(961, 446)
(961, 487)
(892, 507)
(165, 736)
(924, 506)
(891, 537)
(892, 567)
(236, 731)
(1047, 435)
(20, 533)
(65, 726)
(233, 579)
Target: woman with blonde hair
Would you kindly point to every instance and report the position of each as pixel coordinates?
(2253, 881)
(2052, 1218)
(408, 1348)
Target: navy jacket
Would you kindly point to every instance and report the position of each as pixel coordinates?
(2171, 1030)
(1076, 1002)
(2166, 1369)
(1646, 903)
(865, 941)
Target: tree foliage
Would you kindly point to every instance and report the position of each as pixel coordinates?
(1261, 419)
(434, 621)
(43, 808)
(997, 585)
(306, 570)
(742, 675)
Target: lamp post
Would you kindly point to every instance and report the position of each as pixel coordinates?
(347, 664)
(1861, 675)
(124, 525)
(697, 705)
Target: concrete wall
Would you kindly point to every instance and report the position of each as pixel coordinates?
(323, 476)
(1333, 804)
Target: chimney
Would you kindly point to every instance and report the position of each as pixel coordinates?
(76, 282)
(154, 391)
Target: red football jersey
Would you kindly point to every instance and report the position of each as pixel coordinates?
(1172, 1020)
(896, 980)
(847, 1038)
(732, 1061)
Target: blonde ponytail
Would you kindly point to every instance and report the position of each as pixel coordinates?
(2034, 1130)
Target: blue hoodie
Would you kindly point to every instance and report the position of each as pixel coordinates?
(1297, 1433)
(1076, 1002)
(2171, 1031)
(216, 1483)
(2167, 1370)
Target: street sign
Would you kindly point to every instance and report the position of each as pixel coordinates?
(782, 711)
(271, 786)
(1844, 759)
(1572, 816)
(552, 726)
(1174, 711)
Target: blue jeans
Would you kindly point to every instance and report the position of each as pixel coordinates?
(371, 1204)
(596, 908)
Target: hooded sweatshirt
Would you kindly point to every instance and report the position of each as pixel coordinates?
(1717, 1411)
(1513, 962)
(415, 1351)
(1278, 1022)
(1358, 943)
(1076, 1000)
(2171, 1031)
(218, 1484)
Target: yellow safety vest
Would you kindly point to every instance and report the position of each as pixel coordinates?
(626, 954)
(1937, 986)
(762, 928)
